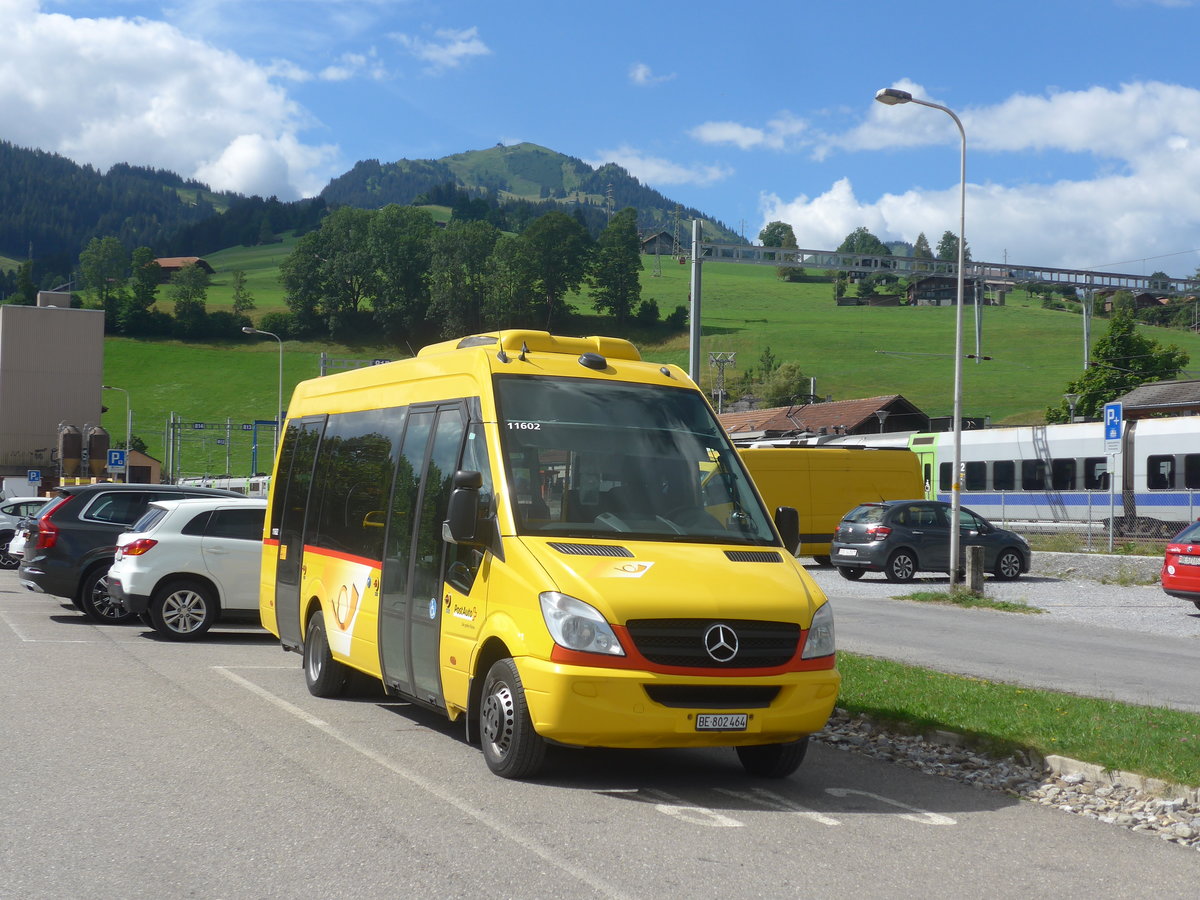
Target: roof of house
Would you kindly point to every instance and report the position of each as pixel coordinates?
(178, 262)
(1162, 396)
(850, 415)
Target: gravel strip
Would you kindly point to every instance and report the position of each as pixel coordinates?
(1078, 788)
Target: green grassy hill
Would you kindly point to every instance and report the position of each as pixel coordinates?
(852, 351)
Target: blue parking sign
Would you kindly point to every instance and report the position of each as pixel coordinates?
(116, 459)
(1112, 427)
(33, 476)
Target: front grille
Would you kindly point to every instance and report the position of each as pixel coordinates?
(591, 549)
(680, 642)
(712, 696)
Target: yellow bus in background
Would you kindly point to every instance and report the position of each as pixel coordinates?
(551, 539)
(825, 483)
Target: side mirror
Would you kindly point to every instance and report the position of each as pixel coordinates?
(787, 521)
(462, 512)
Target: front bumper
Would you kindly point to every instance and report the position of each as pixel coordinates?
(603, 707)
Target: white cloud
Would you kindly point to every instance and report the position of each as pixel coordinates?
(350, 65)
(656, 171)
(1143, 190)
(102, 91)
(780, 133)
(450, 49)
(643, 76)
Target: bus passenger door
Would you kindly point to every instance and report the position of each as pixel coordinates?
(295, 474)
(410, 607)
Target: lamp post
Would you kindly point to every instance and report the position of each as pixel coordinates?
(895, 97)
(1071, 399)
(128, 423)
(278, 417)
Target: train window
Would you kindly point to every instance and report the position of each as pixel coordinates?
(1160, 473)
(944, 483)
(975, 477)
(1004, 477)
(1033, 475)
(1062, 474)
(1095, 473)
(1191, 471)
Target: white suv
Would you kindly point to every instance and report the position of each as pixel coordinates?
(12, 511)
(187, 563)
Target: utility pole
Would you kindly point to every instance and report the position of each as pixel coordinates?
(720, 361)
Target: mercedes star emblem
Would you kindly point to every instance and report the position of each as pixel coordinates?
(721, 643)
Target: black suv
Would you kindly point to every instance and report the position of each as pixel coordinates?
(74, 539)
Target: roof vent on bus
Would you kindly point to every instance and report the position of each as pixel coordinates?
(594, 361)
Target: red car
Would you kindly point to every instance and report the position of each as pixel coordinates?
(1181, 566)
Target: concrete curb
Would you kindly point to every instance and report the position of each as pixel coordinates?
(1063, 765)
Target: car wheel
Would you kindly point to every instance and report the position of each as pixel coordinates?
(183, 610)
(823, 560)
(325, 676)
(1008, 565)
(511, 748)
(850, 574)
(1197, 602)
(773, 760)
(94, 600)
(902, 566)
(7, 561)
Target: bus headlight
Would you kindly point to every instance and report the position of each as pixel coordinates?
(820, 634)
(576, 625)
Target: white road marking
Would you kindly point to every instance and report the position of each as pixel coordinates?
(552, 858)
(916, 814)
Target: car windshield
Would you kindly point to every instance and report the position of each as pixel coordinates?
(1189, 535)
(586, 458)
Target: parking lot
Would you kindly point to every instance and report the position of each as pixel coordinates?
(1090, 589)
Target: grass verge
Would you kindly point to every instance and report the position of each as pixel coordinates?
(1152, 741)
(968, 599)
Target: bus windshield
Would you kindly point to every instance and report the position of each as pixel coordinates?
(594, 459)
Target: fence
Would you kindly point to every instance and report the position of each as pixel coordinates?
(1094, 521)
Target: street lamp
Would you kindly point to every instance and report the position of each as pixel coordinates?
(895, 97)
(128, 422)
(278, 417)
(1071, 399)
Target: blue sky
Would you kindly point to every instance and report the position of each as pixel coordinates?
(1082, 116)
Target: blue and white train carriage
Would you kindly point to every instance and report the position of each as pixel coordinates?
(1060, 474)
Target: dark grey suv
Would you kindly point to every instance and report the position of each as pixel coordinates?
(74, 537)
(902, 537)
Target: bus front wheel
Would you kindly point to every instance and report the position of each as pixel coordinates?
(773, 760)
(511, 748)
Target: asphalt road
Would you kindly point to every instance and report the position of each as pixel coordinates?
(1129, 643)
(135, 767)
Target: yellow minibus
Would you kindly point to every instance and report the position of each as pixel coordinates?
(551, 539)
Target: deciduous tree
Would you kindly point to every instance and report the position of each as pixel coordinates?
(617, 265)
(1120, 361)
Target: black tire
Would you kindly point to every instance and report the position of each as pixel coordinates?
(511, 748)
(823, 560)
(93, 598)
(850, 574)
(7, 561)
(1008, 565)
(146, 619)
(1197, 602)
(183, 610)
(773, 760)
(901, 566)
(324, 675)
